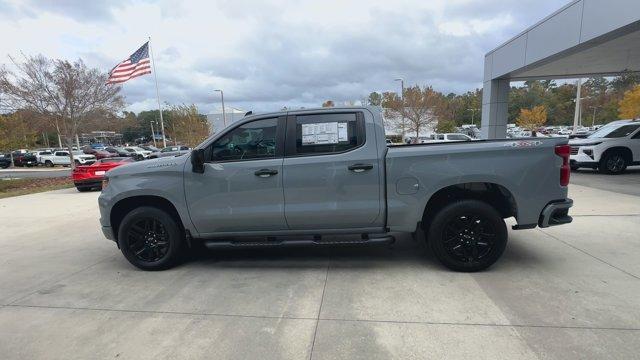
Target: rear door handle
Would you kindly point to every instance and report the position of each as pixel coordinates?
(264, 173)
(360, 167)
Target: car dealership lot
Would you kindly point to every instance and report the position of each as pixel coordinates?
(565, 292)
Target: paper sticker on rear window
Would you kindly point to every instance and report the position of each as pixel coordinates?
(324, 133)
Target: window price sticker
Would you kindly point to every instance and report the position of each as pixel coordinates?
(324, 133)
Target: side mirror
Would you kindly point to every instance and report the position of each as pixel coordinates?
(197, 161)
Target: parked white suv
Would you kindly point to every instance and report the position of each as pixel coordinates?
(62, 158)
(450, 137)
(138, 152)
(610, 149)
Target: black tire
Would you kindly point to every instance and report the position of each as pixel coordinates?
(613, 163)
(48, 163)
(148, 245)
(468, 235)
(83, 188)
(574, 167)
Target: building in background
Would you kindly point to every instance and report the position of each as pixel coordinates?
(216, 122)
(585, 38)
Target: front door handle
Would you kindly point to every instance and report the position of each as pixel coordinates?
(360, 167)
(265, 173)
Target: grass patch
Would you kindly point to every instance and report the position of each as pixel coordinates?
(16, 187)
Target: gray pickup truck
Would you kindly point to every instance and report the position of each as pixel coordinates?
(327, 177)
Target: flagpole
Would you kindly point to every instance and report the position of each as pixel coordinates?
(155, 75)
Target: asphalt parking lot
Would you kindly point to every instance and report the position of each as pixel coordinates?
(570, 292)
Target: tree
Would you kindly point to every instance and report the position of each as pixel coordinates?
(15, 132)
(446, 126)
(187, 125)
(64, 92)
(630, 104)
(532, 119)
(328, 103)
(374, 99)
(419, 107)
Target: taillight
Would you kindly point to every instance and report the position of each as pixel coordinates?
(565, 170)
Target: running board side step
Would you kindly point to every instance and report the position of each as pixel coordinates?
(316, 241)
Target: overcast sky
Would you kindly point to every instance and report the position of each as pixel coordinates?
(270, 54)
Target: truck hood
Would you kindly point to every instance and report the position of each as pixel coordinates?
(583, 142)
(147, 166)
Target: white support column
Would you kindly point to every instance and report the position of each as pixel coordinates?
(495, 108)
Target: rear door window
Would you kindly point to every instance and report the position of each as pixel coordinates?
(325, 133)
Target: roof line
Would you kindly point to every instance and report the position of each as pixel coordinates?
(570, 4)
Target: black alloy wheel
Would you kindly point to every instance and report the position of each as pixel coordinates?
(150, 238)
(147, 239)
(613, 163)
(467, 235)
(469, 238)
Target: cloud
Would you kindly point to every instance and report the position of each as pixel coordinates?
(79, 10)
(275, 53)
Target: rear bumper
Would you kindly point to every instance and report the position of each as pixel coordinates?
(556, 213)
(92, 182)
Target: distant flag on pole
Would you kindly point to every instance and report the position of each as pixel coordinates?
(137, 64)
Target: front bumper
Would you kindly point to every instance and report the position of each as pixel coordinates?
(108, 233)
(586, 164)
(556, 213)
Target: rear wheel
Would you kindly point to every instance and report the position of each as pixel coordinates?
(48, 163)
(613, 163)
(150, 238)
(468, 235)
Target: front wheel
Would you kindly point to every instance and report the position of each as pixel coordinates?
(150, 238)
(468, 235)
(48, 163)
(613, 163)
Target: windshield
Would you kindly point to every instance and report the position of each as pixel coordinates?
(615, 131)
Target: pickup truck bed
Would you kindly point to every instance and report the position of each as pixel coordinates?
(296, 177)
(524, 171)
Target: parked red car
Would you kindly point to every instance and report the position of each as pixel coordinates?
(87, 177)
(99, 154)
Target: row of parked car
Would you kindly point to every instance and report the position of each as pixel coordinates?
(86, 155)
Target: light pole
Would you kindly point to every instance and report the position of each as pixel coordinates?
(153, 134)
(577, 115)
(224, 116)
(402, 98)
(473, 114)
(593, 121)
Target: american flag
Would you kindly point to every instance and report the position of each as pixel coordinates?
(136, 65)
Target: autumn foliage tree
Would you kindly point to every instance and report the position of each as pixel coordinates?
(630, 104)
(532, 119)
(187, 126)
(15, 133)
(418, 108)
